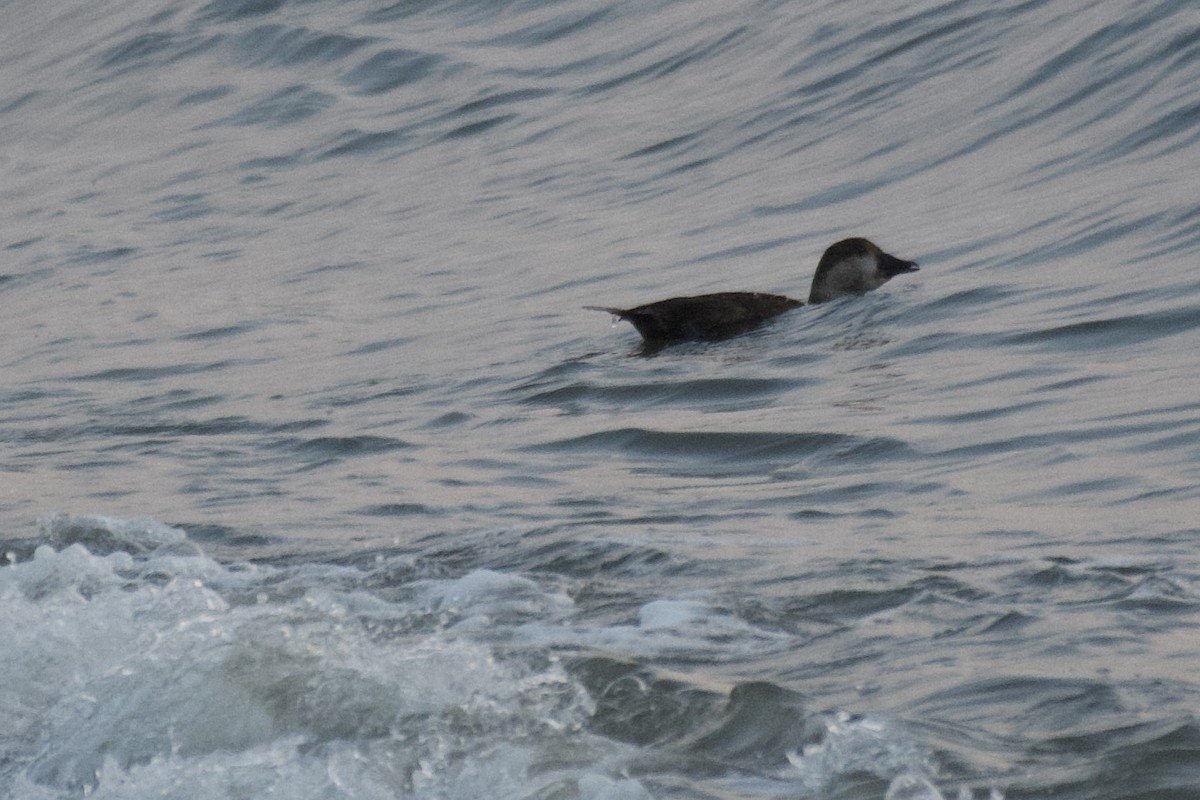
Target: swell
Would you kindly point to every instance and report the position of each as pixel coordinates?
(764, 446)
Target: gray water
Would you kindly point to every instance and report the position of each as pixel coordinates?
(318, 480)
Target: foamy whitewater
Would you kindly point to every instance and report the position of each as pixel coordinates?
(319, 480)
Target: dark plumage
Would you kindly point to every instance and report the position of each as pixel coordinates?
(849, 267)
(706, 316)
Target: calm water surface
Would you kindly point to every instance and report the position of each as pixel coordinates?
(318, 480)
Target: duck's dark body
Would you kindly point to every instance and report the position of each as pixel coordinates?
(849, 267)
(706, 316)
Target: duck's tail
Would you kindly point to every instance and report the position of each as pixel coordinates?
(616, 312)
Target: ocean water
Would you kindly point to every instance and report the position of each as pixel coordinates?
(319, 481)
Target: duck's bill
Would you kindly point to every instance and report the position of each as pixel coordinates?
(892, 266)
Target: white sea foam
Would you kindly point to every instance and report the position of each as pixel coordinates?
(134, 675)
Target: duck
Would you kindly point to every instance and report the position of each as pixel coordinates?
(852, 266)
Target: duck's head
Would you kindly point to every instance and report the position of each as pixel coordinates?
(854, 266)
